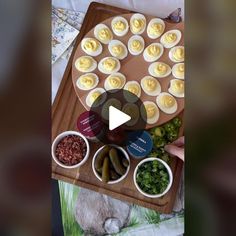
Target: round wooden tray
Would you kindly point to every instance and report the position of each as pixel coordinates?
(133, 67)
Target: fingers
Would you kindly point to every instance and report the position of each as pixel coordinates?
(175, 151)
(179, 142)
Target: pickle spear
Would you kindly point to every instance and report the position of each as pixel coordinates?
(100, 158)
(116, 162)
(114, 175)
(105, 170)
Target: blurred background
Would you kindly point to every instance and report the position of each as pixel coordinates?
(210, 130)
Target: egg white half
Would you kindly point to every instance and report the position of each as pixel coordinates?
(150, 58)
(122, 19)
(143, 112)
(138, 16)
(82, 87)
(166, 110)
(114, 43)
(139, 38)
(156, 91)
(107, 85)
(171, 44)
(101, 100)
(104, 71)
(151, 70)
(152, 21)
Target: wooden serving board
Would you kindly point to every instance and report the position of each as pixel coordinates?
(65, 111)
(133, 67)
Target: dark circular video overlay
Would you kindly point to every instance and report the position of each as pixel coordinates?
(125, 102)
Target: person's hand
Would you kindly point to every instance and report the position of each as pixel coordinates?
(176, 148)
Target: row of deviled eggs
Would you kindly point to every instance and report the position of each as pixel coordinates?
(136, 46)
(149, 110)
(115, 81)
(111, 65)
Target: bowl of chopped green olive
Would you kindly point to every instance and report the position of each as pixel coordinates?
(153, 177)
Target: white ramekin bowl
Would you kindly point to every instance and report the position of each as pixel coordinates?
(168, 170)
(57, 140)
(125, 155)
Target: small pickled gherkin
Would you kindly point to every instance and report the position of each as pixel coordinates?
(105, 170)
(100, 158)
(116, 162)
(125, 162)
(114, 175)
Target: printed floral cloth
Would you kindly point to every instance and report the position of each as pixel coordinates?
(65, 27)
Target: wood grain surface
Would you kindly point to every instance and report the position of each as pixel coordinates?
(65, 111)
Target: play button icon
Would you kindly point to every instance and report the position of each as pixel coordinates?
(117, 118)
(118, 113)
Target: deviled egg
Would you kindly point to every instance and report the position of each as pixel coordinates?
(96, 97)
(120, 26)
(166, 103)
(178, 70)
(114, 81)
(170, 38)
(136, 45)
(137, 23)
(109, 65)
(177, 88)
(150, 86)
(103, 33)
(133, 111)
(155, 28)
(91, 46)
(117, 49)
(176, 54)
(159, 69)
(87, 81)
(110, 102)
(153, 52)
(134, 89)
(85, 64)
(149, 112)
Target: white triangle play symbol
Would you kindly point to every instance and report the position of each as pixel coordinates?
(117, 118)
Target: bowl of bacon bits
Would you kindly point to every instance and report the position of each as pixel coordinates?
(70, 149)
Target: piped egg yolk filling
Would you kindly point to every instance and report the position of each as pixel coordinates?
(153, 50)
(119, 26)
(118, 50)
(88, 81)
(115, 82)
(133, 89)
(96, 96)
(160, 69)
(136, 45)
(155, 29)
(167, 101)
(179, 54)
(84, 63)
(91, 45)
(137, 25)
(104, 34)
(170, 37)
(178, 86)
(180, 70)
(150, 84)
(109, 64)
(150, 110)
